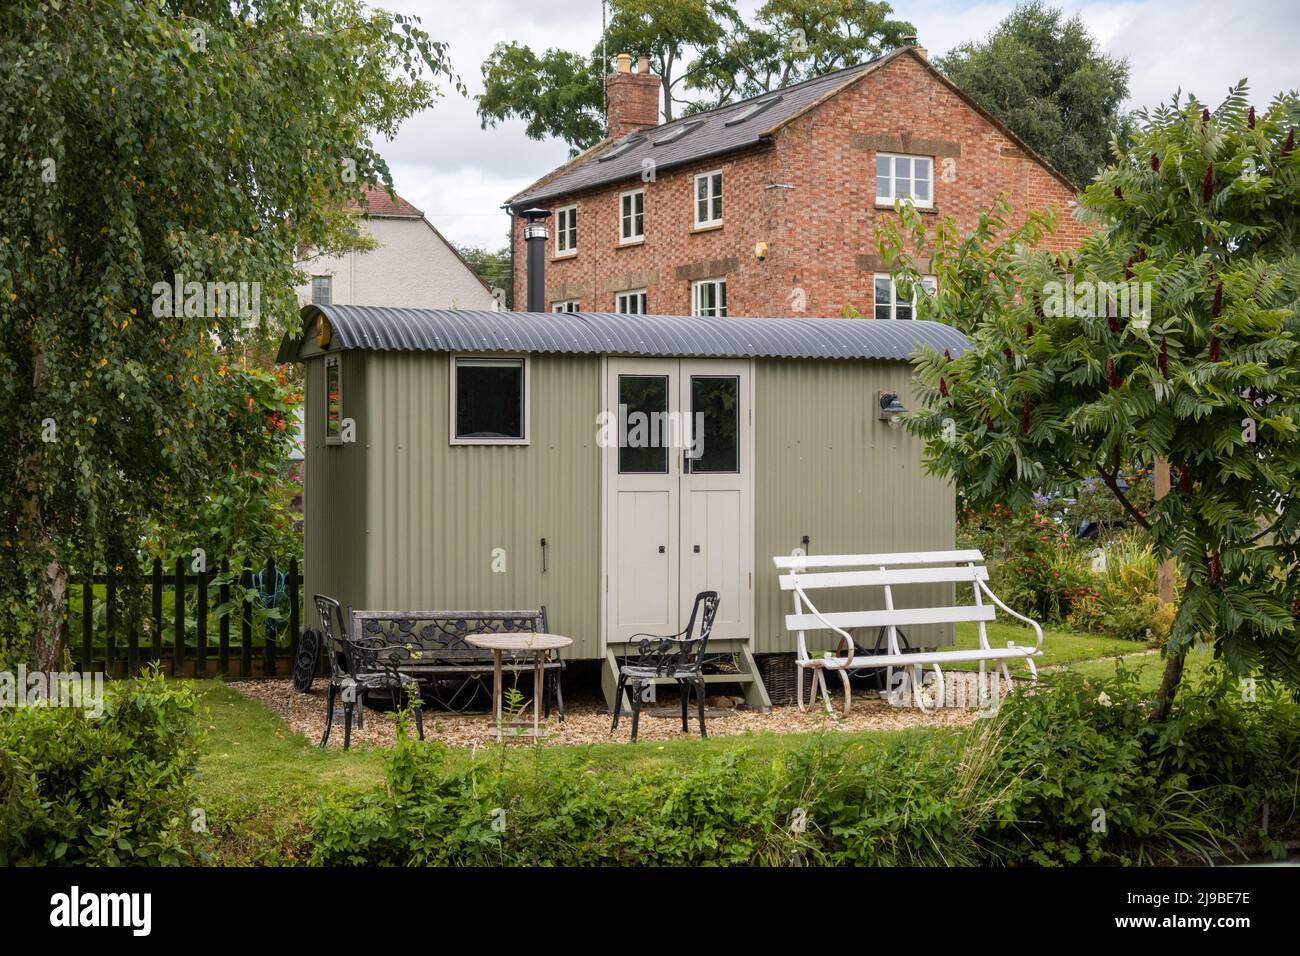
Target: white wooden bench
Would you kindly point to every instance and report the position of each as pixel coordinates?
(822, 573)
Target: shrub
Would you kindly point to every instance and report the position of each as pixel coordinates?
(1124, 600)
(101, 791)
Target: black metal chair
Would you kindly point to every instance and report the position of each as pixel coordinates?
(679, 656)
(356, 667)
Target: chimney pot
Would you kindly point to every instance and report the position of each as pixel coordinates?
(624, 63)
(643, 63)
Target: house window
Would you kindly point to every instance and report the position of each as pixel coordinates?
(631, 302)
(709, 297)
(568, 305)
(908, 178)
(889, 298)
(333, 401)
(489, 401)
(566, 231)
(631, 216)
(708, 199)
(321, 290)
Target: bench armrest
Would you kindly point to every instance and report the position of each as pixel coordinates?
(1030, 621)
(818, 614)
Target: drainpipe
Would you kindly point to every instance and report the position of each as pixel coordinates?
(535, 236)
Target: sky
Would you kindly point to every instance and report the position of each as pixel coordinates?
(459, 174)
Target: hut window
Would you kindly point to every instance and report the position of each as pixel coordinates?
(709, 297)
(566, 231)
(908, 178)
(715, 404)
(321, 289)
(333, 401)
(643, 412)
(631, 302)
(631, 216)
(489, 401)
(889, 298)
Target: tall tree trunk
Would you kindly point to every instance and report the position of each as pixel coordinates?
(1169, 684)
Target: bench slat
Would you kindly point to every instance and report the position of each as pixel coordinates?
(857, 579)
(789, 562)
(938, 657)
(899, 618)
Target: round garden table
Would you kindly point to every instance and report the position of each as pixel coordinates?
(539, 645)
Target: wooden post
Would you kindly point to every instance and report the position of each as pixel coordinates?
(201, 617)
(178, 638)
(88, 621)
(245, 624)
(223, 627)
(157, 584)
(1166, 573)
(110, 638)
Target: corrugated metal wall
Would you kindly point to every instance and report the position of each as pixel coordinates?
(333, 491)
(827, 467)
(435, 513)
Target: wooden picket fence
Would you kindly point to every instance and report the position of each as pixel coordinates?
(119, 650)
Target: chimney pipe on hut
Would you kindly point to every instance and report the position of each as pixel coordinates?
(535, 236)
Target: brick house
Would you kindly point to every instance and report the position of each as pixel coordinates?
(770, 206)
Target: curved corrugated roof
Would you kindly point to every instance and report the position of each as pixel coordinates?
(608, 333)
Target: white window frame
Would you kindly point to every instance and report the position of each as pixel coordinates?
(709, 198)
(525, 424)
(332, 361)
(566, 231)
(620, 301)
(888, 200)
(566, 305)
(624, 237)
(698, 285)
(329, 289)
(929, 283)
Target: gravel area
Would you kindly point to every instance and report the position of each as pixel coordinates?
(588, 722)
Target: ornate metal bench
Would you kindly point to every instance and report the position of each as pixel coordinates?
(451, 670)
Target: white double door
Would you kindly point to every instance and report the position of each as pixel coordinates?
(678, 495)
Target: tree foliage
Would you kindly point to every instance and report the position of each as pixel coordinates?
(1068, 376)
(146, 143)
(1046, 79)
(704, 52)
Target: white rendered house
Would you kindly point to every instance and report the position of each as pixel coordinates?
(412, 267)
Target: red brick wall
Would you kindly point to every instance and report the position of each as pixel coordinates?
(633, 102)
(819, 216)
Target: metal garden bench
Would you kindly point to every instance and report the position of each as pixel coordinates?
(448, 667)
(825, 574)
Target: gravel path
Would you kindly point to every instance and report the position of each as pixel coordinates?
(588, 722)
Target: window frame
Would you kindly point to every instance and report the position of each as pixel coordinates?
(634, 239)
(927, 282)
(619, 296)
(697, 285)
(893, 180)
(334, 360)
(569, 215)
(562, 305)
(329, 289)
(711, 223)
(526, 421)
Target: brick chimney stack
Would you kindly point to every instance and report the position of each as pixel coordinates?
(633, 97)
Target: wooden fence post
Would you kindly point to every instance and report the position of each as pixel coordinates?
(157, 583)
(110, 638)
(178, 638)
(201, 617)
(245, 624)
(223, 626)
(88, 621)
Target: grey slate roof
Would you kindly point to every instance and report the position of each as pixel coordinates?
(607, 333)
(718, 131)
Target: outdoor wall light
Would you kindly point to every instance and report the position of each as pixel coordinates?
(890, 407)
(760, 250)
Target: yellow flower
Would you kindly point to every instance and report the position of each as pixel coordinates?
(93, 420)
(103, 362)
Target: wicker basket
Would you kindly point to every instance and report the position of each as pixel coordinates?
(778, 672)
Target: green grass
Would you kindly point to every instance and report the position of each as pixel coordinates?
(1059, 647)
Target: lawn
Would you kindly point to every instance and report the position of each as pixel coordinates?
(257, 776)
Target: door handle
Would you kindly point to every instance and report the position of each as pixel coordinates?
(662, 549)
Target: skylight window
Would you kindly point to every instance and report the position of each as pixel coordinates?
(673, 135)
(621, 148)
(752, 110)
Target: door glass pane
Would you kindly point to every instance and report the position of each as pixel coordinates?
(642, 424)
(715, 408)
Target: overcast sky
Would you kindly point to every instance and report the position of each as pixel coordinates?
(460, 175)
